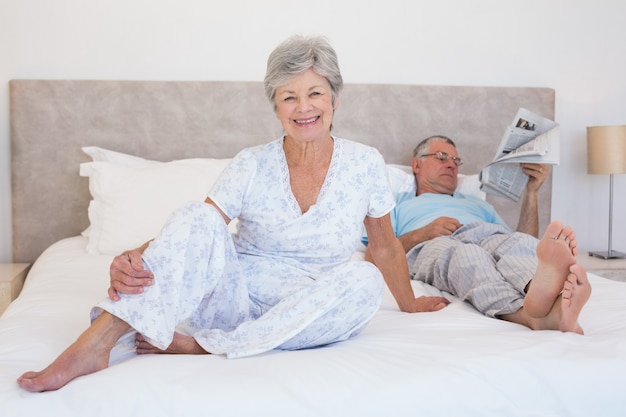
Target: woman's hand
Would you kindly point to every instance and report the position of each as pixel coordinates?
(385, 251)
(427, 303)
(127, 275)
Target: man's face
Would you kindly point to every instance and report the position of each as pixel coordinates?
(434, 175)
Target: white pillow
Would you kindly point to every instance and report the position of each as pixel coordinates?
(107, 155)
(470, 185)
(133, 197)
(402, 181)
(401, 178)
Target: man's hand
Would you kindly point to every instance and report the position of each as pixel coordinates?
(127, 275)
(426, 304)
(441, 226)
(537, 174)
(529, 213)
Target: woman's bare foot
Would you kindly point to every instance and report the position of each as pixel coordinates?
(180, 344)
(88, 354)
(556, 252)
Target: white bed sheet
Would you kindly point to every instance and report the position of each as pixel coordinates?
(448, 363)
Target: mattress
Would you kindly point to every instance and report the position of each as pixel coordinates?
(452, 362)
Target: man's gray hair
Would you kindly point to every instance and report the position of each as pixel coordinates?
(423, 147)
(295, 56)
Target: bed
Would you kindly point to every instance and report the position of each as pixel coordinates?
(88, 157)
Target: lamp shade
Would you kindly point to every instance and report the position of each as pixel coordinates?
(606, 149)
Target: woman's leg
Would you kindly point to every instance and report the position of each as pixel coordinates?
(304, 311)
(189, 260)
(88, 354)
(197, 275)
(358, 290)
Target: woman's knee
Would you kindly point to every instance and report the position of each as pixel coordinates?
(368, 277)
(198, 209)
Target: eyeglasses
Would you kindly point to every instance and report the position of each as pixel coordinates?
(443, 157)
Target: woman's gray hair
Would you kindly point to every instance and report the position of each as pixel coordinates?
(424, 145)
(295, 56)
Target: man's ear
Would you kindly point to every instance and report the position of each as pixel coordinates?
(415, 165)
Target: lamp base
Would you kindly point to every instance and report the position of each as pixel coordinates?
(608, 255)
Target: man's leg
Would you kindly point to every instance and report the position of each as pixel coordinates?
(559, 288)
(470, 264)
(565, 310)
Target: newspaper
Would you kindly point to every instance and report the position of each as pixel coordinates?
(530, 138)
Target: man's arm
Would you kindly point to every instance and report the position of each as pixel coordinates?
(442, 226)
(529, 213)
(385, 251)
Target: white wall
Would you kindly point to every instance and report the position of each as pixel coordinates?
(574, 46)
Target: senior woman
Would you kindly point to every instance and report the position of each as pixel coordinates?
(285, 279)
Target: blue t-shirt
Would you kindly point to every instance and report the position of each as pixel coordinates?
(413, 212)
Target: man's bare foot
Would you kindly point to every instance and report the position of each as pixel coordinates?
(564, 314)
(180, 344)
(576, 293)
(565, 310)
(556, 252)
(88, 354)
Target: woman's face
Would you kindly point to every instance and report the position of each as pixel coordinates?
(304, 107)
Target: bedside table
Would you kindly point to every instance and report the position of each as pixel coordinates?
(12, 278)
(614, 269)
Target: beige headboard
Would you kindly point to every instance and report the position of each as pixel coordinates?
(52, 119)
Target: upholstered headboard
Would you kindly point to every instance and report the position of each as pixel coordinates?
(163, 120)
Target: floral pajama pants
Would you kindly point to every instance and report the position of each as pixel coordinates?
(241, 305)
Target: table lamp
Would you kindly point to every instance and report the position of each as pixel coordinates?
(606, 154)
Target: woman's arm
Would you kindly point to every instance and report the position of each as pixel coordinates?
(385, 251)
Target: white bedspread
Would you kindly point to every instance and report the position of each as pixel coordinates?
(448, 363)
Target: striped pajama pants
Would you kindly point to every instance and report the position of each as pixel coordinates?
(481, 263)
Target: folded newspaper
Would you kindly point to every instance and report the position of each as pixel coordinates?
(531, 138)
